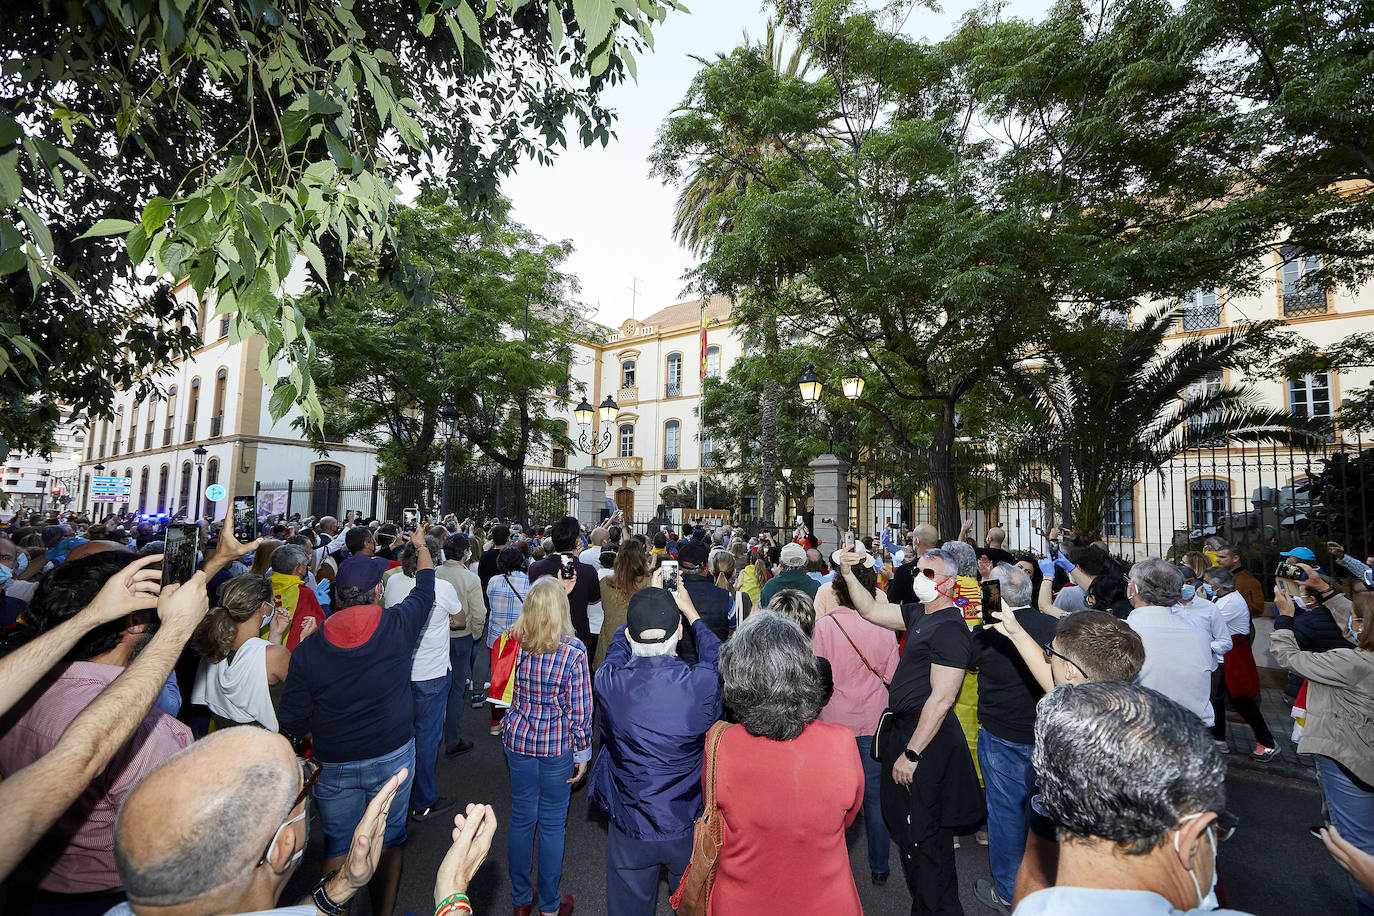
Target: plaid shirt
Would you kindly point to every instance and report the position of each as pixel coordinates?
(552, 708)
(505, 602)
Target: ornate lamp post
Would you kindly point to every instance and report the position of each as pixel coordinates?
(448, 416)
(199, 453)
(595, 444)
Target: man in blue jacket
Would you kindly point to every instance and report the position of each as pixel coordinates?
(655, 712)
(348, 687)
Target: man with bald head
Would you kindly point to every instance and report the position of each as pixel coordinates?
(900, 590)
(220, 828)
(996, 550)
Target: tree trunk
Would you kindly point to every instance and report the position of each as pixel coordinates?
(940, 455)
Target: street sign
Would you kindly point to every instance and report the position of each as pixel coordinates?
(111, 489)
(215, 493)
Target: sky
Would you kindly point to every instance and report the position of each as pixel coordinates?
(602, 199)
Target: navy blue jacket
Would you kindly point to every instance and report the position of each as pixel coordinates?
(655, 713)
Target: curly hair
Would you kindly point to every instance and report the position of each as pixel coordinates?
(770, 679)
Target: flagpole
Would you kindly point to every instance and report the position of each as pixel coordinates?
(701, 420)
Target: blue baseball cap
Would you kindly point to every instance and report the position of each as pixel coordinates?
(361, 572)
(1300, 553)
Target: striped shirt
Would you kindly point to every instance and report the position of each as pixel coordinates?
(551, 712)
(505, 596)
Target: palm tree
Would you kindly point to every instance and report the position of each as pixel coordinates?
(1114, 403)
(699, 219)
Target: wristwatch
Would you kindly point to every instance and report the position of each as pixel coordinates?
(912, 755)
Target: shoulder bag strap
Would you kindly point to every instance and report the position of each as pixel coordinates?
(713, 747)
(860, 654)
(513, 589)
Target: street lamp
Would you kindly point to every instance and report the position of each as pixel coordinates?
(853, 386)
(810, 386)
(787, 473)
(595, 444)
(99, 472)
(42, 493)
(199, 453)
(448, 416)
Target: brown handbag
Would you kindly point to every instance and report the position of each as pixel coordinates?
(693, 893)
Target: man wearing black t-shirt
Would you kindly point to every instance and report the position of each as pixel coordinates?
(996, 551)
(929, 785)
(587, 589)
(1007, 694)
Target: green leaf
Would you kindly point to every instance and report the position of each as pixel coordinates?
(11, 186)
(283, 396)
(468, 20)
(108, 227)
(555, 24)
(156, 213)
(427, 24)
(594, 18)
(137, 244)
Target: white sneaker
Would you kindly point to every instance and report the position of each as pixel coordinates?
(1221, 746)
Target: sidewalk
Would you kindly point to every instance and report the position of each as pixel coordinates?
(1278, 715)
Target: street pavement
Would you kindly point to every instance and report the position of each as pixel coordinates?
(1271, 866)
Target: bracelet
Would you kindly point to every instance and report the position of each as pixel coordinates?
(323, 902)
(454, 903)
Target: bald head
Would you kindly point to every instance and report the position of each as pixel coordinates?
(598, 536)
(997, 537)
(199, 823)
(927, 538)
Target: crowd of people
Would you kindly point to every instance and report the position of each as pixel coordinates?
(1068, 711)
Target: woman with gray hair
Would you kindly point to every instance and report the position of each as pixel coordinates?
(787, 785)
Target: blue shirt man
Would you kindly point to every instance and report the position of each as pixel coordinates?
(655, 712)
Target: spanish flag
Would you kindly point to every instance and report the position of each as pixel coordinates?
(703, 337)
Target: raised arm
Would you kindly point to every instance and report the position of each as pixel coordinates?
(35, 797)
(133, 588)
(870, 607)
(1031, 652)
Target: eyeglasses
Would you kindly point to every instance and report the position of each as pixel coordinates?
(1050, 654)
(310, 774)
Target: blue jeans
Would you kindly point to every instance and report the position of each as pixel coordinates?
(633, 867)
(1352, 813)
(460, 657)
(1010, 780)
(431, 696)
(344, 790)
(879, 840)
(539, 793)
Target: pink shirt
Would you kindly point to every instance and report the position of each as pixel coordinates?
(77, 855)
(860, 697)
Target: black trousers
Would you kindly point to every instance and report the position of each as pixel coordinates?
(930, 876)
(1248, 707)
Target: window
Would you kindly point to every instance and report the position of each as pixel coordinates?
(224, 327)
(221, 388)
(558, 454)
(143, 491)
(118, 431)
(749, 503)
(171, 415)
(212, 472)
(1210, 501)
(192, 410)
(162, 476)
(133, 427)
(627, 374)
(1207, 387)
(184, 502)
(627, 440)
(1201, 310)
(708, 450)
(325, 486)
(1118, 519)
(200, 319)
(672, 441)
(104, 437)
(713, 362)
(672, 387)
(152, 422)
(1303, 292)
(1310, 395)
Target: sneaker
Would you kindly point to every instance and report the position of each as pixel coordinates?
(462, 747)
(987, 895)
(1221, 746)
(879, 877)
(439, 807)
(981, 837)
(1264, 754)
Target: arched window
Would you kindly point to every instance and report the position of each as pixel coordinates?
(152, 422)
(221, 390)
(162, 477)
(133, 427)
(212, 472)
(143, 491)
(713, 362)
(184, 500)
(558, 456)
(171, 416)
(118, 430)
(104, 438)
(627, 373)
(192, 410)
(627, 440)
(672, 443)
(1210, 501)
(325, 485)
(673, 376)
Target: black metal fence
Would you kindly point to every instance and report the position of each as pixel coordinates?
(534, 497)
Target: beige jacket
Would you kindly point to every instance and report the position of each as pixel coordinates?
(469, 589)
(1340, 696)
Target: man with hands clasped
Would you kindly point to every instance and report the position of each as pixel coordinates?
(929, 784)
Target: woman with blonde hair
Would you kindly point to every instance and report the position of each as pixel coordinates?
(631, 572)
(262, 558)
(548, 741)
(1197, 561)
(238, 669)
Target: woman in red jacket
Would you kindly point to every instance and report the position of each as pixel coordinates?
(787, 785)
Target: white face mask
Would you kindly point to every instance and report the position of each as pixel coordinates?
(924, 588)
(1209, 900)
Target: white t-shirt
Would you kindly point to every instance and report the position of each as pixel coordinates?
(1236, 613)
(1178, 658)
(431, 657)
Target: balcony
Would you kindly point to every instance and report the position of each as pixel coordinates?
(627, 396)
(167, 436)
(673, 390)
(114, 448)
(631, 465)
(670, 461)
(216, 426)
(1201, 317)
(133, 442)
(190, 430)
(148, 439)
(1307, 301)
